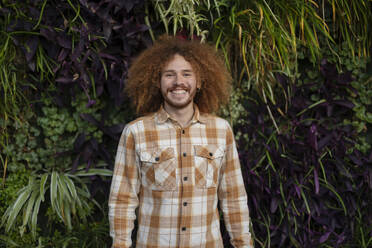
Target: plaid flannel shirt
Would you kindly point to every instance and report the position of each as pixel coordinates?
(176, 177)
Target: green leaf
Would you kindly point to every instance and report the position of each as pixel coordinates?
(34, 217)
(67, 212)
(65, 193)
(43, 181)
(74, 197)
(270, 161)
(71, 186)
(53, 189)
(83, 192)
(30, 205)
(16, 207)
(331, 188)
(60, 203)
(311, 106)
(9, 209)
(305, 200)
(94, 172)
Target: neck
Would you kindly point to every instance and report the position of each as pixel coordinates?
(182, 115)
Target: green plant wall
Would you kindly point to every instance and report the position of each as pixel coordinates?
(301, 112)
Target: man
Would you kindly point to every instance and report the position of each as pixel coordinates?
(178, 162)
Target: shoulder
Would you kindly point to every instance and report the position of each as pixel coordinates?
(220, 126)
(213, 120)
(138, 124)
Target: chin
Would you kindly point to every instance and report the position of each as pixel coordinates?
(178, 105)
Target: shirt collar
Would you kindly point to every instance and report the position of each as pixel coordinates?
(161, 116)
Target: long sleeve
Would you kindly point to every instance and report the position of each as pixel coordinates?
(233, 197)
(125, 186)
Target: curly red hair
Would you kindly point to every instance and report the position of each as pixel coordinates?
(145, 74)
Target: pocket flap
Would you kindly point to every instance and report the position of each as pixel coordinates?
(157, 155)
(209, 151)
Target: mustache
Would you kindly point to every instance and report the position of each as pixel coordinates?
(179, 87)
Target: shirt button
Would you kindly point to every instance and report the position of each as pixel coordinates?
(184, 154)
(185, 204)
(185, 179)
(183, 228)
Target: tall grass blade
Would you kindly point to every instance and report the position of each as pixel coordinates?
(53, 189)
(43, 182)
(94, 172)
(333, 190)
(30, 206)
(34, 216)
(16, 207)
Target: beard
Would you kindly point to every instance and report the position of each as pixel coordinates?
(171, 98)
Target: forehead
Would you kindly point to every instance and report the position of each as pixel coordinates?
(177, 62)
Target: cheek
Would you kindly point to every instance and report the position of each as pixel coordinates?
(163, 86)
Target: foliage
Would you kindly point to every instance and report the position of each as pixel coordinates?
(186, 15)
(66, 200)
(259, 37)
(65, 46)
(70, 124)
(361, 98)
(92, 234)
(8, 191)
(301, 109)
(350, 24)
(41, 140)
(308, 185)
(265, 35)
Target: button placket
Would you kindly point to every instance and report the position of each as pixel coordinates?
(185, 177)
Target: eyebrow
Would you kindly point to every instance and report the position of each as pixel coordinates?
(186, 70)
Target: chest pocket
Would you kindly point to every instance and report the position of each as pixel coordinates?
(207, 165)
(158, 168)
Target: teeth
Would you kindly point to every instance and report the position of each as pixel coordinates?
(178, 91)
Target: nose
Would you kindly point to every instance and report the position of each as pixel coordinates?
(179, 79)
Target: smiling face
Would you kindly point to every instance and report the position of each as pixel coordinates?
(178, 84)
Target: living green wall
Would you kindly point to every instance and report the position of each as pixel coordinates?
(300, 109)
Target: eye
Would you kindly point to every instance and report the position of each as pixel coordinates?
(168, 75)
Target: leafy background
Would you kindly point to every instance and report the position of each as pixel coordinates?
(301, 111)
